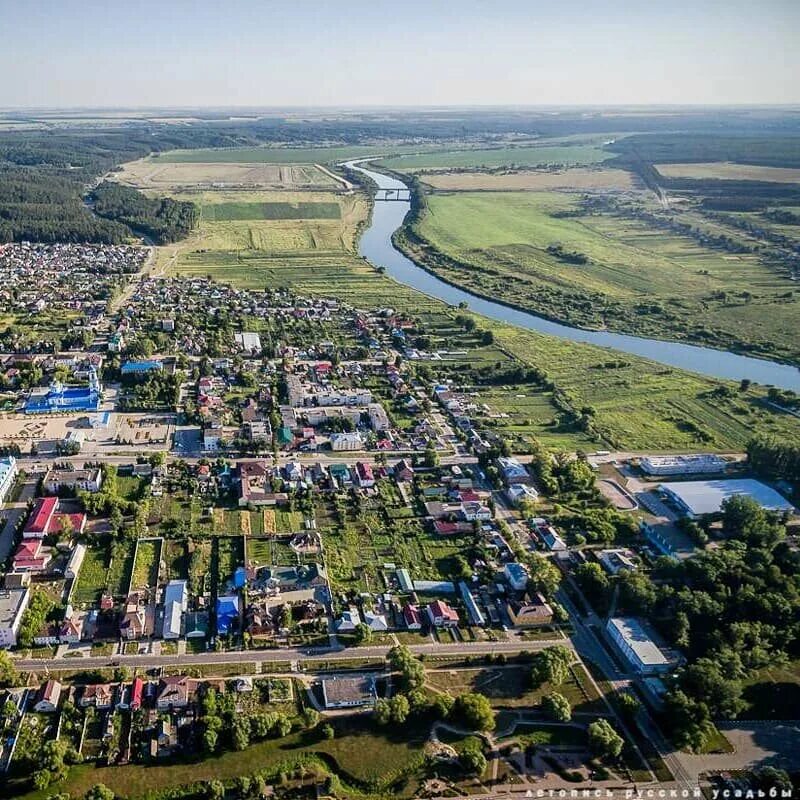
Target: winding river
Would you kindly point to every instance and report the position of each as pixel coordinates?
(376, 246)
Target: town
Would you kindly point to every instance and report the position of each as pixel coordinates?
(295, 520)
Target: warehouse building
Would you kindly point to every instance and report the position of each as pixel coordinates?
(698, 498)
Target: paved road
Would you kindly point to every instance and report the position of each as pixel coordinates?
(587, 645)
(286, 654)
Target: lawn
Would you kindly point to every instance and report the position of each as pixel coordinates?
(357, 548)
(509, 687)
(91, 580)
(773, 693)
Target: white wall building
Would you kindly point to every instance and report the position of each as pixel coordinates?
(8, 473)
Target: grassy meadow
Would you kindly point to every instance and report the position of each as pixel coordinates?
(537, 155)
(611, 270)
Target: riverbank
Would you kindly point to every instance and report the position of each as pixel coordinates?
(376, 245)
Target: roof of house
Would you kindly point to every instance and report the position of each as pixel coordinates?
(40, 516)
(338, 691)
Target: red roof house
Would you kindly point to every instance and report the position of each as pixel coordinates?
(39, 520)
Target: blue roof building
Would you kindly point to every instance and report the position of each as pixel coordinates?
(75, 399)
(240, 578)
(227, 614)
(140, 367)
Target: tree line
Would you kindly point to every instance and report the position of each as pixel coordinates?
(163, 219)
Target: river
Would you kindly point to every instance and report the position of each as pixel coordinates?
(376, 246)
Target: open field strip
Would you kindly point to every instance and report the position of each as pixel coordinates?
(536, 155)
(577, 179)
(724, 170)
(150, 173)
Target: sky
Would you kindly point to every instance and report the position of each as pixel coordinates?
(140, 53)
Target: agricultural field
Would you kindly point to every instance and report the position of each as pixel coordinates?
(724, 170)
(538, 155)
(256, 239)
(579, 179)
(641, 405)
(157, 174)
(275, 155)
(540, 251)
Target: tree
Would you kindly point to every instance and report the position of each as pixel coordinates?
(431, 457)
(311, 717)
(471, 757)
(400, 709)
(688, 719)
(442, 705)
(99, 792)
(557, 707)
(327, 731)
(282, 726)
(382, 711)
(8, 672)
(604, 741)
(474, 711)
(628, 705)
(716, 683)
(363, 633)
(594, 583)
(240, 732)
(215, 790)
(551, 665)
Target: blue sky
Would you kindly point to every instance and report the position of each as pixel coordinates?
(256, 52)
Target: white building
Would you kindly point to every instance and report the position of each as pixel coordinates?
(637, 646)
(176, 598)
(701, 463)
(346, 441)
(345, 692)
(698, 498)
(8, 473)
(87, 480)
(13, 602)
(378, 419)
(75, 561)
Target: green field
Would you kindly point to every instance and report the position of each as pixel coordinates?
(540, 251)
(226, 212)
(509, 687)
(357, 752)
(539, 155)
(91, 581)
(146, 564)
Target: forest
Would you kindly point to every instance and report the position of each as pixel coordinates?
(164, 220)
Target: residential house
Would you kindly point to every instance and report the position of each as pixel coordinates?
(441, 615)
(530, 611)
(516, 575)
(48, 697)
